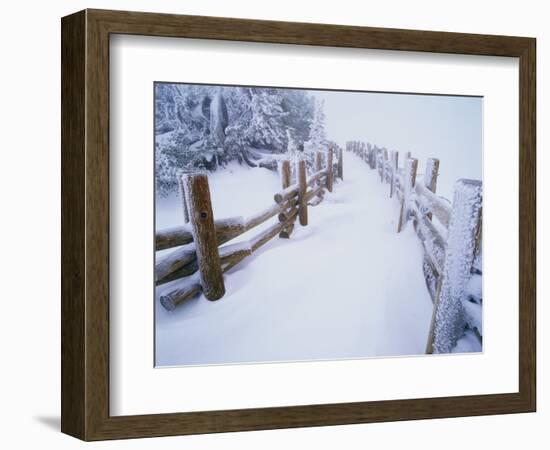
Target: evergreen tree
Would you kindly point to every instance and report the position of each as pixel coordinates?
(200, 127)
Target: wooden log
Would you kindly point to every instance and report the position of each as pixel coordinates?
(449, 319)
(285, 233)
(226, 229)
(182, 272)
(187, 264)
(340, 164)
(317, 177)
(187, 288)
(318, 191)
(269, 233)
(231, 255)
(173, 237)
(440, 208)
(302, 190)
(174, 261)
(286, 194)
(430, 177)
(330, 174)
(268, 213)
(204, 235)
(287, 214)
(409, 178)
(285, 174)
(184, 208)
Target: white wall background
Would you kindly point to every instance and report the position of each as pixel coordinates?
(30, 193)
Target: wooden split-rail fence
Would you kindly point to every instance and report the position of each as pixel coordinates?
(450, 234)
(201, 258)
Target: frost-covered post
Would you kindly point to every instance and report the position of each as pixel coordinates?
(409, 178)
(318, 161)
(430, 177)
(318, 168)
(393, 167)
(448, 318)
(185, 210)
(385, 165)
(302, 191)
(340, 164)
(330, 169)
(204, 235)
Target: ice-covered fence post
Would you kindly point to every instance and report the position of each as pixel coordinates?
(385, 165)
(319, 167)
(183, 200)
(340, 164)
(430, 177)
(302, 191)
(204, 235)
(381, 164)
(330, 170)
(409, 178)
(394, 166)
(448, 317)
(318, 161)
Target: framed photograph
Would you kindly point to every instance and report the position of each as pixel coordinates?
(272, 225)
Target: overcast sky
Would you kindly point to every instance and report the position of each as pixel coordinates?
(444, 127)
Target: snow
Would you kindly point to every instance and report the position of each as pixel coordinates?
(331, 291)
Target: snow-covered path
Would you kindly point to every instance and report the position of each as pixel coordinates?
(345, 286)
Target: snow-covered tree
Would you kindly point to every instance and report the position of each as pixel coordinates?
(317, 140)
(317, 135)
(200, 127)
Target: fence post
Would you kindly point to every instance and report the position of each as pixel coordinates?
(319, 167)
(183, 200)
(285, 174)
(341, 164)
(394, 166)
(330, 170)
(302, 191)
(381, 164)
(318, 161)
(201, 217)
(285, 182)
(430, 177)
(409, 178)
(385, 166)
(448, 314)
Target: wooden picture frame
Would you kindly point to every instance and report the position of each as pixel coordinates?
(85, 224)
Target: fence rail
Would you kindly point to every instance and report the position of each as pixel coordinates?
(451, 242)
(200, 257)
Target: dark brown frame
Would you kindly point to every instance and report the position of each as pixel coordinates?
(85, 224)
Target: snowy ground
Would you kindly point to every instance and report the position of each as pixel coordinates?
(345, 286)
